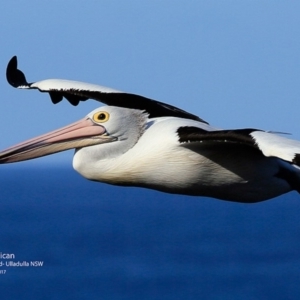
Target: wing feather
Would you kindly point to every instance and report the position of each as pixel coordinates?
(269, 144)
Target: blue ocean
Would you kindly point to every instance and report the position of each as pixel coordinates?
(97, 241)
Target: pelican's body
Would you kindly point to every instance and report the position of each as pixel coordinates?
(162, 147)
(157, 160)
(152, 159)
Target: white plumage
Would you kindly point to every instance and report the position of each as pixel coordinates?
(140, 142)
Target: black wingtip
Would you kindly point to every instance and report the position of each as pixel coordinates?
(14, 76)
(55, 97)
(296, 159)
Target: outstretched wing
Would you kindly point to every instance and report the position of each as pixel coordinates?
(268, 143)
(75, 92)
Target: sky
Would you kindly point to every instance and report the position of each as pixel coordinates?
(235, 64)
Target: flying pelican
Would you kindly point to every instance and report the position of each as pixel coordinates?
(137, 141)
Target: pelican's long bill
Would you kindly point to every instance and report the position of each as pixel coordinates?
(76, 135)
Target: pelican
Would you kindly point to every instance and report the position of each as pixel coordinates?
(137, 141)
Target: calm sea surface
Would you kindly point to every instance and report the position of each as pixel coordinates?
(104, 242)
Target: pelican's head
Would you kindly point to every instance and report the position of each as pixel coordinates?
(107, 124)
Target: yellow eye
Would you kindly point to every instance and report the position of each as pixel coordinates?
(101, 116)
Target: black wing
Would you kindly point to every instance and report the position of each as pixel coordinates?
(268, 143)
(75, 92)
(229, 145)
